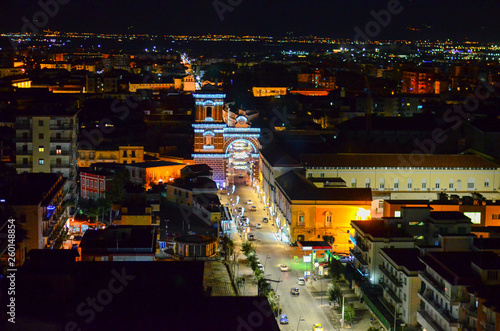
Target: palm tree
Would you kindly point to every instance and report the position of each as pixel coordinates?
(334, 292)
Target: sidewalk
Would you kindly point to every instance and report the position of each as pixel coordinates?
(248, 287)
(362, 315)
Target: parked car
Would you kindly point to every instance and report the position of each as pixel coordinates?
(265, 220)
(301, 281)
(253, 208)
(251, 237)
(249, 202)
(258, 226)
(295, 291)
(283, 319)
(283, 267)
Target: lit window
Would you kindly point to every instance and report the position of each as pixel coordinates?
(58, 149)
(41, 161)
(328, 219)
(301, 218)
(41, 149)
(475, 217)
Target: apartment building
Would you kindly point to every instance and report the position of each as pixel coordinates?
(445, 301)
(400, 282)
(46, 141)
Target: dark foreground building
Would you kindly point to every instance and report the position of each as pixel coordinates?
(127, 296)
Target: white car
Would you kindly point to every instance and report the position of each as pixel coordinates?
(258, 226)
(283, 267)
(249, 202)
(301, 281)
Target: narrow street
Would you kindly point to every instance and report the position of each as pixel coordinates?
(272, 253)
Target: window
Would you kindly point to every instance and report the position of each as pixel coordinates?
(486, 183)
(58, 150)
(367, 183)
(132, 154)
(475, 217)
(410, 184)
(41, 149)
(40, 122)
(25, 160)
(58, 136)
(25, 148)
(492, 275)
(41, 161)
(328, 219)
(437, 184)
(322, 175)
(404, 296)
(40, 136)
(396, 184)
(187, 194)
(301, 220)
(309, 175)
(405, 280)
(397, 213)
(209, 111)
(124, 153)
(102, 185)
(58, 161)
(451, 184)
(91, 183)
(470, 184)
(382, 183)
(353, 183)
(424, 184)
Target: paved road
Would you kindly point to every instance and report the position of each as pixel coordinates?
(272, 253)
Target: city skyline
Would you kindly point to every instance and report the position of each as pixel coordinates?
(457, 20)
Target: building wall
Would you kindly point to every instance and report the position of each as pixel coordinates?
(134, 220)
(179, 196)
(217, 165)
(124, 154)
(268, 91)
(33, 225)
(315, 226)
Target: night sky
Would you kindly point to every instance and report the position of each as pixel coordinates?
(433, 19)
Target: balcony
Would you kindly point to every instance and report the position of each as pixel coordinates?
(426, 321)
(452, 322)
(471, 311)
(431, 281)
(61, 153)
(391, 277)
(358, 256)
(27, 139)
(61, 140)
(389, 291)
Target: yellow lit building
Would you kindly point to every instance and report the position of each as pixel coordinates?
(268, 91)
(124, 154)
(408, 176)
(304, 211)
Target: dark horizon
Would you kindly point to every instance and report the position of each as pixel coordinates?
(457, 20)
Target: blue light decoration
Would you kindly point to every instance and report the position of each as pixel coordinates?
(256, 130)
(50, 210)
(209, 96)
(208, 126)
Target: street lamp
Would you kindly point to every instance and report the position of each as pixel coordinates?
(300, 320)
(265, 263)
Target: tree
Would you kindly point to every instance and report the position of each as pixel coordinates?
(247, 248)
(335, 269)
(349, 313)
(103, 207)
(227, 246)
(118, 183)
(334, 292)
